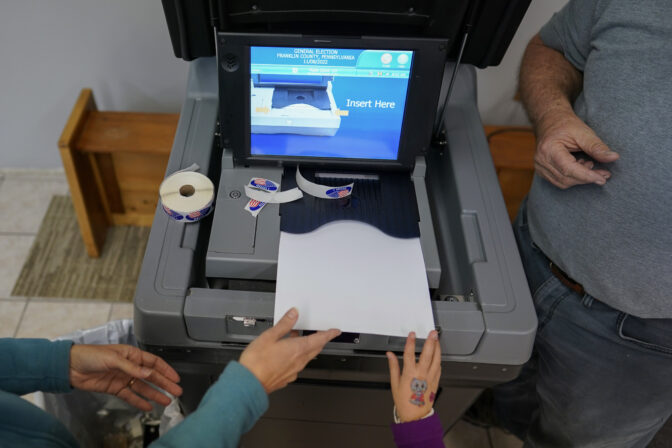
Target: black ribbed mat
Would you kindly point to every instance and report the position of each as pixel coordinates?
(387, 202)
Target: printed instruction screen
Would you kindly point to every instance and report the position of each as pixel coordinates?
(327, 102)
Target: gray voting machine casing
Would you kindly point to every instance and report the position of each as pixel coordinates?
(206, 289)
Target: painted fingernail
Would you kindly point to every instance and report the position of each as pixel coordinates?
(292, 313)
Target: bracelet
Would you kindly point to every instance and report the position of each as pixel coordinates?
(398, 420)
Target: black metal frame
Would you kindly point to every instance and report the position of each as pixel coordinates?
(492, 23)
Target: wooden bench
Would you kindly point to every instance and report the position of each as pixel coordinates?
(114, 163)
(512, 150)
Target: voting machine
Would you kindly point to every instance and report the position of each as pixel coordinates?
(379, 94)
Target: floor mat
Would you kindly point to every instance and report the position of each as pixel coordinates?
(58, 265)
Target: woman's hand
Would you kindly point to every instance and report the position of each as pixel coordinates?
(124, 371)
(415, 388)
(275, 360)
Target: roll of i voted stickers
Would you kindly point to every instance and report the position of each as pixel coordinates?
(322, 191)
(187, 196)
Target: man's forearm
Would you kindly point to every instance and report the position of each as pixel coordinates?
(549, 83)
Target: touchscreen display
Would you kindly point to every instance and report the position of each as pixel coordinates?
(327, 102)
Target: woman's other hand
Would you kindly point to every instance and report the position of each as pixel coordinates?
(124, 371)
(276, 360)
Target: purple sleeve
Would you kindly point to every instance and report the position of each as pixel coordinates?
(425, 433)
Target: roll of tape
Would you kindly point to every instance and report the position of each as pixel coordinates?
(187, 196)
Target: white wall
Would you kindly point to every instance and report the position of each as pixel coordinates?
(497, 85)
(49, 50)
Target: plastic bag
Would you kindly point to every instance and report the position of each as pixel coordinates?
(172, 416)
(99, 419)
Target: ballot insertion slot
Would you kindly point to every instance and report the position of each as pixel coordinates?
(269, 286)
(234, 284)
(345, 338)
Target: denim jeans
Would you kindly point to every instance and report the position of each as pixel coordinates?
(597, 377)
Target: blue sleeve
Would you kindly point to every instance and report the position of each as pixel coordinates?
(29, 365)
(228, 410)
(22, 424)
(570, 31)
(425, 433)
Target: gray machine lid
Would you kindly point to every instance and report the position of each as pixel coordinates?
(491, 23)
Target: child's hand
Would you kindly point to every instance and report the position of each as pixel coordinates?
(415, 389)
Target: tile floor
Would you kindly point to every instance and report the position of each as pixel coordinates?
(34, 316)
(48, 317)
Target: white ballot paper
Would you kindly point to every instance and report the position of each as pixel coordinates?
(351, 276)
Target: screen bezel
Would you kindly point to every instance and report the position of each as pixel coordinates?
(422, 94)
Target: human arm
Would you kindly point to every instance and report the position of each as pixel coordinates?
(228, 410)
(235, 402)
(414, 391)
(549, 84)
(125, 371)
(29, 365)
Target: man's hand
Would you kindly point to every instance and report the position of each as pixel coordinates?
(275, 361)
(559, 133)
(414, 390)
(549, 84)
(124, 371)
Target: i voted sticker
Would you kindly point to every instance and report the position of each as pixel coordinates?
(263, 184)
(199, 214)
(254, 207)
(173, 214)
(339, 192)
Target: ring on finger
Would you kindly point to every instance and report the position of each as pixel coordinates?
(131, 382)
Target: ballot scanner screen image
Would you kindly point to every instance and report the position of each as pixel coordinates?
(327, 102)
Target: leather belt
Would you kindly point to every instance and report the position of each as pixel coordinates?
(566, 280)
